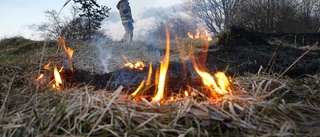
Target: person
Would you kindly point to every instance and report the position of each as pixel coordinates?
(126, 19)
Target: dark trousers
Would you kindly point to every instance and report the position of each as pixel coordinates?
(128, 27)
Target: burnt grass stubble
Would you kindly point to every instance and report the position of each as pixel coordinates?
(238, 53)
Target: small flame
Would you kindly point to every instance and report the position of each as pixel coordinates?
(135, 93)
(138, 65)
(143, 83)
(68, 50)
(198, 35)
(223, 86)
(47, 66)
(163, 70)
(40, 77)
(186, 94)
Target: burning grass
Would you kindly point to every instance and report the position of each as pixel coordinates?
(260, 106)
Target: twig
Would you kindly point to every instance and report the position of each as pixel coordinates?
(272, 57)
(312, 47)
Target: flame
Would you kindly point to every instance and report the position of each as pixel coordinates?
(143, 83)
(138, 65)
(223, 86)
(135, 93)
(198, 35)
(68, 50)
(209, 38)
(47, 66)
(40, 77)
(186, 94)
(57, 78)
(163, 70)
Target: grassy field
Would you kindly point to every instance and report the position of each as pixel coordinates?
(260, 104)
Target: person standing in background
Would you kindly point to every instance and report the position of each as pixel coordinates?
(126, 19)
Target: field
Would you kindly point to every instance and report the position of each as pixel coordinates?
(275, 88)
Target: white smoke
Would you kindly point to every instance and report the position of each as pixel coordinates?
(104, 53)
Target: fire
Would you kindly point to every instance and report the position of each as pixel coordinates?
(223, 86)
(138, 65)
(198, 35)
(57, 78)
(186, 94)
(143, 83)
(216, 85)
(42, 78)
(163, 70)
(68, 50)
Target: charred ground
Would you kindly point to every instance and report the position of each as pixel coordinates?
(238, 53)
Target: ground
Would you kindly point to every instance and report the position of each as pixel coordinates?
(238, 53)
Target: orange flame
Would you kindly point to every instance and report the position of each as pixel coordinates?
(57, 78)
(135, 93)
(68, 50)
(148, 82)
(163, 70)
(138, 65)
(223, 86)
(198, 35)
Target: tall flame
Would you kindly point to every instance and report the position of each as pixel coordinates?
(163, 70)
(68, 50)
(57, 78)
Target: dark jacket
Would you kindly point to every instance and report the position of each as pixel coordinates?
(125, 11)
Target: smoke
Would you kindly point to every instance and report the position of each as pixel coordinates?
(104, 53)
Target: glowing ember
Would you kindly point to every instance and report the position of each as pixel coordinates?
(163, 70)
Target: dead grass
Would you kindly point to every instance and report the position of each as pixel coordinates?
(259, 106)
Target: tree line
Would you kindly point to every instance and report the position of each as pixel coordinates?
(269, 16)
(283, 16)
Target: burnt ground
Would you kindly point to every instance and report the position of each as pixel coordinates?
(238, 53)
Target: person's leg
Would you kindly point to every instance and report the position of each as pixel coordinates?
(125, 36)
(130, 31)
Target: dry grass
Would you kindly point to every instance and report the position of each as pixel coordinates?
(260, 105)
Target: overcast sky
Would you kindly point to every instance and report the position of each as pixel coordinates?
(18, 15)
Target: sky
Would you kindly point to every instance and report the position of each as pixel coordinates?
(18, 15)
